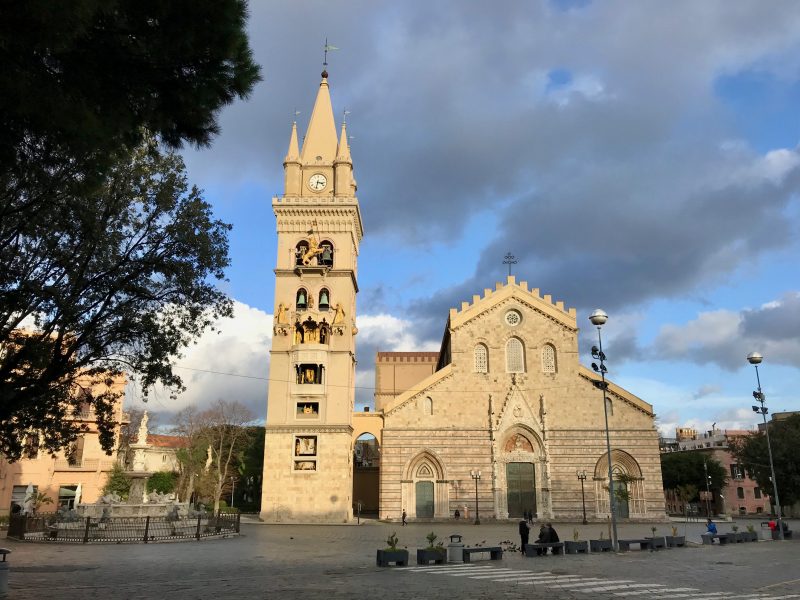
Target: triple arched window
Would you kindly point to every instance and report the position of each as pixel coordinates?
(481, 359)
(515, 356)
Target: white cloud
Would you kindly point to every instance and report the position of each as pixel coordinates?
(231, 364)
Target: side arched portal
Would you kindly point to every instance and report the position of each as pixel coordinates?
(425, 490)
(629, 499)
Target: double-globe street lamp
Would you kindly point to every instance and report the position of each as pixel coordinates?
(754, 358)
(598, 318)
(582, 476)
(476, 475)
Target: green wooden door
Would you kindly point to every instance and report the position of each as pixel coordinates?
(521, 488)
(424, 499)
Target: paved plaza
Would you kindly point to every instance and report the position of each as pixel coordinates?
(322, 561)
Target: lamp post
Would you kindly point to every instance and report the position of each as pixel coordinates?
(233, 489)
(708, 488)
(598, 318)
(476, 475)
(582, 476)
(754, 358)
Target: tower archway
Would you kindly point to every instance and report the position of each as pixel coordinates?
(366, 475)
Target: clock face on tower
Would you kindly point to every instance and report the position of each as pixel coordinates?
(317, 182)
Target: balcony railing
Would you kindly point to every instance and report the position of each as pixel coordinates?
(88, 464)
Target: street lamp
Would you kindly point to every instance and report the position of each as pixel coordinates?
(598, 318)
(476, 475)
(233, 489)
(582, 476)
(754, 358)
(708, 488)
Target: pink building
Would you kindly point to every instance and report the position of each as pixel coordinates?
(741, 496)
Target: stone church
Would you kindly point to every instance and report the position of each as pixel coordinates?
(503, 418)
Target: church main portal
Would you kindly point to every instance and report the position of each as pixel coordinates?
(521, 488)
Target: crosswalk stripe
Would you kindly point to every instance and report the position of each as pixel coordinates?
(608, 588)
(470, 574)
(590, 580)
(450, 571)
(539, 579)
(595, 582)
(506, 574)
(640, 592)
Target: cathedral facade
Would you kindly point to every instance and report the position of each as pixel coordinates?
(503, 418)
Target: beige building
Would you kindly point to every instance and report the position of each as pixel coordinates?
(78, 472)
(504, 396)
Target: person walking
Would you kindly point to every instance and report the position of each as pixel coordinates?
(404, 517)
(524, 534)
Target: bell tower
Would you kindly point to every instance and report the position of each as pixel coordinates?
(307, 451)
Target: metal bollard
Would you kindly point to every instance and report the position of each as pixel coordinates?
(455, 549)
(4, 568)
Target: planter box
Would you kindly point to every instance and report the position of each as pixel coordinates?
(576, 547)
(398, 557)
(737, 537)
(426, 557)
(675, 541)
(600, 545)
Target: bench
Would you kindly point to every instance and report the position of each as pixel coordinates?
(644, 544)
(531, 549)
(495, 552)
(708, 538)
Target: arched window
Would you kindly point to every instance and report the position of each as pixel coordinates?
(302, 299)
(481, 359)
(324, 299)
(427, 406)
(326, 258)
(548, 359)
(515, 356)
(300, 251)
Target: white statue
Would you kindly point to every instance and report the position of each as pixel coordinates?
(142, 435)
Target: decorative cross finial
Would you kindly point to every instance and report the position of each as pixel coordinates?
(345, 112)
(509, 259)
(296, 112)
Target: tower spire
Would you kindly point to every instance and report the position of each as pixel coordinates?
(320, 140)
(293, 155)
(343, 153)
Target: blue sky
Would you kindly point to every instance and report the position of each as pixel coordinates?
(639, 157)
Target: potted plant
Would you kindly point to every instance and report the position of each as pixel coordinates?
(752, 533)
(391, 554)
(675, 540)
(435, 553)
(600, 545)
(735, 537)
(658, 541)
(575, 546)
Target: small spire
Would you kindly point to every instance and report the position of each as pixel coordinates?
(343, 153)
(293, 155)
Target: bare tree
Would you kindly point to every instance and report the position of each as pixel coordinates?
(222, 431)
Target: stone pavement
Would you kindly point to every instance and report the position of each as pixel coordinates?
(315, 561)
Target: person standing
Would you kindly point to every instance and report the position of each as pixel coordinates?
(524, 534)
(404, 517)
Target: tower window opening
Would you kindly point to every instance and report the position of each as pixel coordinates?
(324, 299)
(302, 299)
(309, 373)
(299, 252)
(326, 258)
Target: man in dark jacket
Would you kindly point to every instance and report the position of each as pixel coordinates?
(553, 537)
(524, 533)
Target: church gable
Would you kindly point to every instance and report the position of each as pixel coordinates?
(520, 293)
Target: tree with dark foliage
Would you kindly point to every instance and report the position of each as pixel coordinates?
(101, 240)
(123, 283)
(751, 451)
(686, 468)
